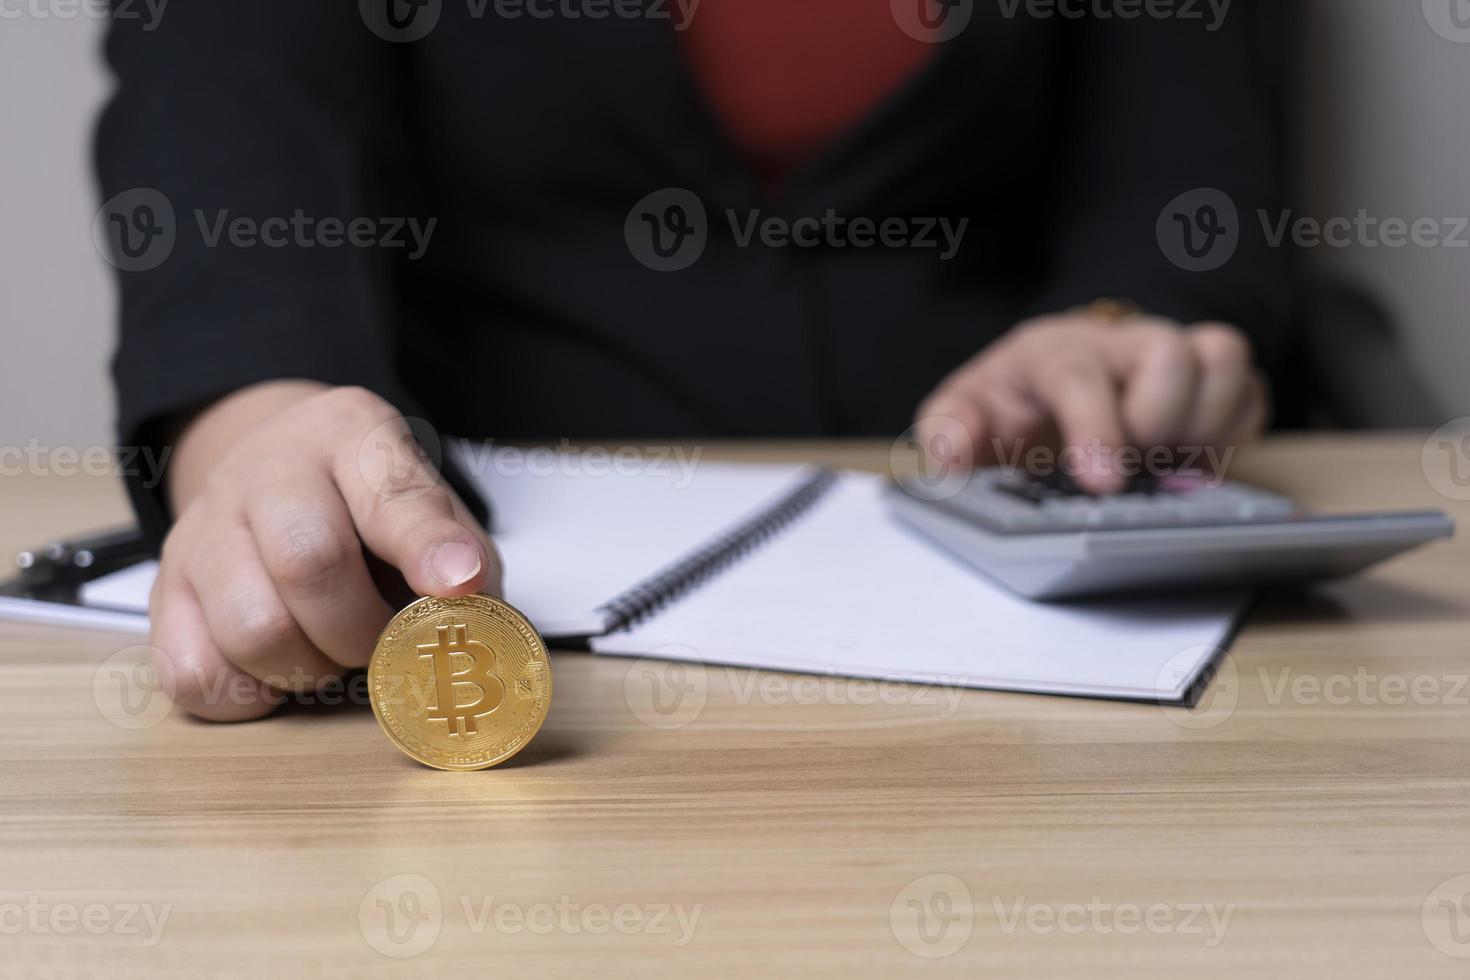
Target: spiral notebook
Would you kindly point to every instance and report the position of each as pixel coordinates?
(789, 568)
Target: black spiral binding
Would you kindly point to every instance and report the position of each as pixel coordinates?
(708, 561)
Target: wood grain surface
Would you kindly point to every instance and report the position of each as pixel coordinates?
(1310, 818)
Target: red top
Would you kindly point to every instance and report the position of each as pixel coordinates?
(786, 77)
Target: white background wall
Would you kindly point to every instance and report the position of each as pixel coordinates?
(1389, 131)
(56, 297)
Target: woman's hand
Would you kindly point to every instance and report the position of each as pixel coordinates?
(264, 586)
(1096, 385)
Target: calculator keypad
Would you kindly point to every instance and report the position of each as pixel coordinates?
(1009, 503)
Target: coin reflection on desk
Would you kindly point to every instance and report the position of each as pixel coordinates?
(460, 683)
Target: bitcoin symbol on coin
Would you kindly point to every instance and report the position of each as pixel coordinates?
(460, 683)
(462, 718)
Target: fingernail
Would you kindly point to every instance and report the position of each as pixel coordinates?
(454, 563)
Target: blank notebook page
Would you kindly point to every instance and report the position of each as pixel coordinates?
(575, 535)
(845, 590)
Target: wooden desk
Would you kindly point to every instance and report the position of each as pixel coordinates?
(1320, 823)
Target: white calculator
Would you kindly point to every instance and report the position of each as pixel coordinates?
(1044, 538)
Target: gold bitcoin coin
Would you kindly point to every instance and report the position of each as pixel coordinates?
(460, 683)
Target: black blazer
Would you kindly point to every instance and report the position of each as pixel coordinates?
(531, 141)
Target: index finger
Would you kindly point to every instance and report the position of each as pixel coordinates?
(1083, 397)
